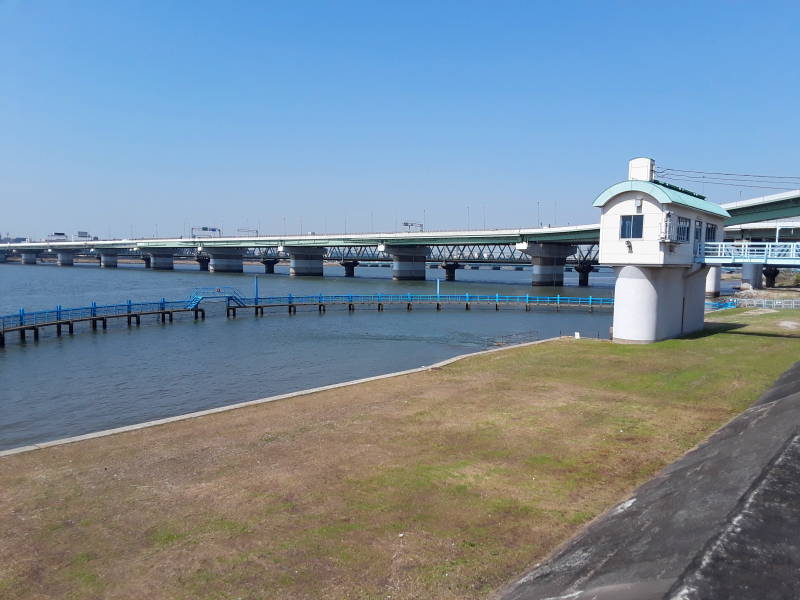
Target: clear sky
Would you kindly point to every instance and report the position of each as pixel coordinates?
(131, 118)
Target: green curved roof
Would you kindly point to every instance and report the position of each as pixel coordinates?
(664, 195)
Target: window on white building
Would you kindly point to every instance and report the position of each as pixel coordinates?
(631, 226)
(683, 230)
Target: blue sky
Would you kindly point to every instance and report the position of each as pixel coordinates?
(127, 118)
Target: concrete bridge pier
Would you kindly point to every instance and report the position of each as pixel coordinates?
(2, 257)
(349, 267)
(203, 262)
(108, 259)
(408, 262)
(305, 261)
(28, 258)
(269, 265)
(713, 282)
(450, 270)
(770, 274)
(548, 262)
(225, 260)
(146, 261)
(161, 261)
(65, 259)
(752, 273)
(583, 269)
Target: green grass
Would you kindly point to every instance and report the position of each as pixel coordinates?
(436, 485)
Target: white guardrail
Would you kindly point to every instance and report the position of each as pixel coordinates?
(750, 252)
(764, 303)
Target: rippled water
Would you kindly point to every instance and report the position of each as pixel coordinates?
(66, 386)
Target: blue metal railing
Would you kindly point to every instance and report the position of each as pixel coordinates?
(94, 310)
(233, 297)
(430, 298)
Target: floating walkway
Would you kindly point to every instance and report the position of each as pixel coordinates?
(164, 310)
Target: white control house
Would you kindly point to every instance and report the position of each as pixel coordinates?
(652, 232)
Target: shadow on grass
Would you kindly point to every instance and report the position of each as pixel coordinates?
(731, 328)
(714, 329)
(767, 334)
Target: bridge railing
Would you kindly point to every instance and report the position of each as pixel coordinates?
(745, 251)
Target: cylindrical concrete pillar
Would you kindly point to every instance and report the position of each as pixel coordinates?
(752, 273)
(770, 275)
(349, 267)
(203, 262)
(450, 271)
(2, 257)
(548, 270)
(408, 262)
(228, 261)
(108, 260)
(269, 265)
(65, 259)
(583, 270)
(28, 258)
(547, 260)
(162, 262)
(713, 282)
(306, 261)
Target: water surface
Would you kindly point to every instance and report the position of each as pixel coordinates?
(66, 386)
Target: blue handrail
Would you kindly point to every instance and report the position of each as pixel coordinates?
(234, 297)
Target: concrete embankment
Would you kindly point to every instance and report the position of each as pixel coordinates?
(721, 522)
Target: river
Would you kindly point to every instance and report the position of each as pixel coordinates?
(60, 387)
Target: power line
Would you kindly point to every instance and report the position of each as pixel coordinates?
(731, 174)
(703, 178)
(764, 187)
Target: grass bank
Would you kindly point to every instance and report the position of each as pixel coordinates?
(441, 484)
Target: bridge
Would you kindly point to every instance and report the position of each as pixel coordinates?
(547, 250)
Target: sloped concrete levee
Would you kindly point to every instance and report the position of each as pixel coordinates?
(721, 522)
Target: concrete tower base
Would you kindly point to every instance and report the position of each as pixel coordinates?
(65, 259)
(28, 258)
(658, 303)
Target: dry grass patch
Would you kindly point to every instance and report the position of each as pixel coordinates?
(438, 485)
